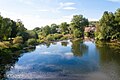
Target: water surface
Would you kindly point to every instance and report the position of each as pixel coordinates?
(66, 60)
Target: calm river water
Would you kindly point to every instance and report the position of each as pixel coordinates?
(64, 60)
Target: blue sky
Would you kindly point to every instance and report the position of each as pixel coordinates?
(37, 13)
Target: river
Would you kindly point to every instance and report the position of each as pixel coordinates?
(64, 60)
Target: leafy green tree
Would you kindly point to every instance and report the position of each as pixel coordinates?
(54, 28)
(20, 26)
(79, 22)
(6, 28)
(24, 35)
(13, 29)
(64, 27)
(32, 34)
(31, 41)
(46, 30)
(77, 33)
(1, 20)
(106, 25)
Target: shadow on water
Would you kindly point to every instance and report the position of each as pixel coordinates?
(8, 60)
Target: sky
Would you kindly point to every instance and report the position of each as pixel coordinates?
(37, 13)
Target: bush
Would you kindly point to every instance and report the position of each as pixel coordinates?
(57, 36)
(77, 33)
(40, 41)
(17, 46)
(64, 38)
(50, 37)
(32, 41)
(5, 44)
(18, 39)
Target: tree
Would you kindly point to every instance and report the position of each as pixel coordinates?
(1, 20)
(78, 22)
(32, 34)
(106, 25)
(64, 27)
(6, 28)
(117, 23)
(77, 33)
(13, 29)
(20, 26)
(46, 30)
(54, 28)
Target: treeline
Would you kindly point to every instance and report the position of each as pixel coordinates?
(108, 27)
(14, 35)
(63, 31)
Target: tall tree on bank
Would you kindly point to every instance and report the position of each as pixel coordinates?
(117, 24)
(78, 22)
(109, 26)
(106, 25)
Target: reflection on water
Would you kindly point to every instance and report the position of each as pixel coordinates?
(64, 60)
(8, 59)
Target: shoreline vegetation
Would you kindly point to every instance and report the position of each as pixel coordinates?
(14, 36)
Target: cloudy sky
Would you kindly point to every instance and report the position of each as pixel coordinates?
(37, 13)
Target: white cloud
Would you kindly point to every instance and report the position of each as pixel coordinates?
(114, 0)
(69, 8)
(66, 4)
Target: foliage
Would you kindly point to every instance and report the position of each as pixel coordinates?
(57, 36)
(18, 39)
(5, 44)
(46, 30)
(79, 22)
(50, 37)
(109, 26)
(31, 41)
(64, 27)
(64, 37)
(17, 46)
(32, 34)
(77, 33)
(54, 28)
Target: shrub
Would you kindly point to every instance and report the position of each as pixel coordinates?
(17, 46)
(77, 33)
(5, 44)
(57, 36)
(18, 39)
(31, 41)
(50, 37)
(40, 41)
(64, 38)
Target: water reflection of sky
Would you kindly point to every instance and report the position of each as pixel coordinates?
(54, 62)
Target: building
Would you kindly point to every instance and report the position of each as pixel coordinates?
(90, 29)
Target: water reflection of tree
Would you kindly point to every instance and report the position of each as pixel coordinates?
(78, 48)
(7, 60)
(109, 59)
(109, 52)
